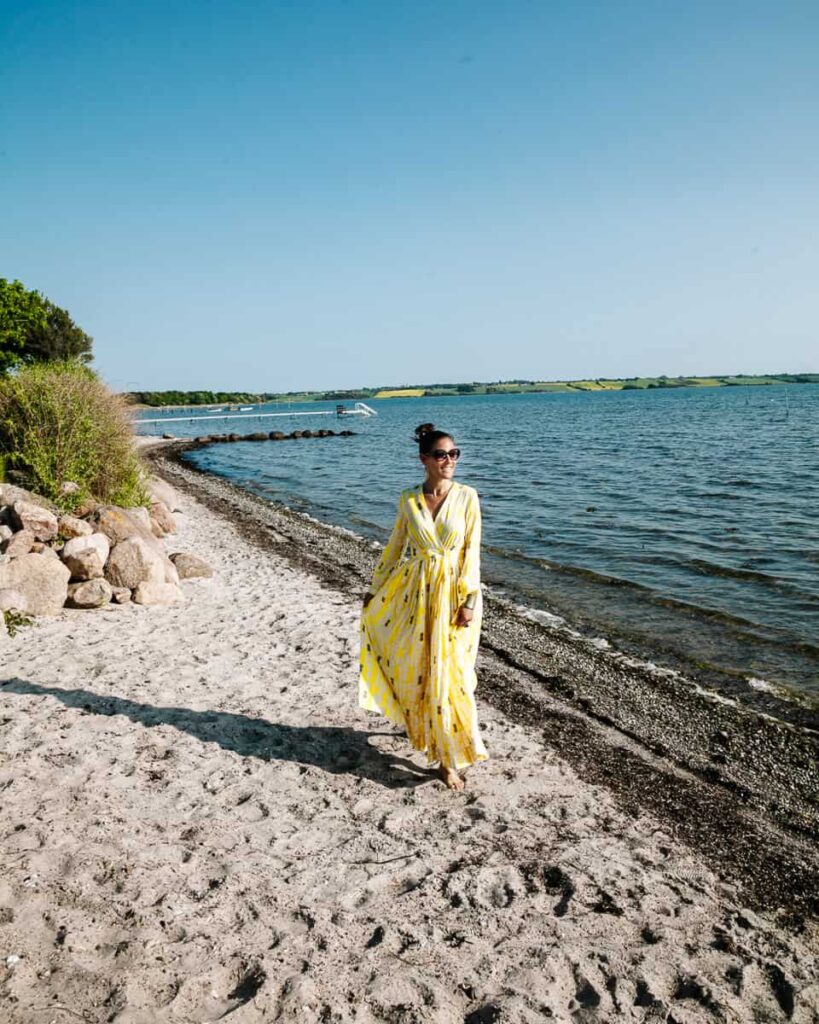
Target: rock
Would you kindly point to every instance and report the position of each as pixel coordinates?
(154, 593)
(41, 522)
(190, 566)
(205, 439)
(37, 547)
(13, 601)
(162, 522)
(92, 594)
(257, 436)
(168, 437)
(97, 541)
(120, 595)
(5, 533)
(69, 487)
(161, 490)
(296, 433)
(134, 561)
(86, 508)
(234, 437)
(118, 525)
(85, 564)
(276, 435)
(10, 495)
(70, 526)
(140, 515)
(42, 581)
(307, 433)
(49, 552)
(19, 543)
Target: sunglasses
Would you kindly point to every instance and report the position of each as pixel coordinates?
(439, 454)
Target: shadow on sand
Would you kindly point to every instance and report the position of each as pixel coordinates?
(336, 750)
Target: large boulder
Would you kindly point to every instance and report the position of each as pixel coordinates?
(10, 495)
(162, 522)
(171, 575)
(69, 527)
(96, 541)
(133, 561)
(141, 515)
(12, 601)
(151, 592)
(85, 564)
(28, 516)
(118, 525)
(190, 566)
(91, 594)
(42, 581)
(19, 543)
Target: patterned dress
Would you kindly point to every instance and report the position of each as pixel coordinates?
(417, 667)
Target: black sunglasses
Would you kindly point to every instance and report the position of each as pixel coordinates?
(439, 454)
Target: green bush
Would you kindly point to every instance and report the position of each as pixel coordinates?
(59, 422)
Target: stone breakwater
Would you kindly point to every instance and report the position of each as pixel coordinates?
(100, 556)
(262, 435)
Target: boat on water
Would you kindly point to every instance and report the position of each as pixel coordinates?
(246, 408)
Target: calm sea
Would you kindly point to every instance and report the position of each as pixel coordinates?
(679, 524)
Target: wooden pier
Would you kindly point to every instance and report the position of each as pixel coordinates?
(360, 409)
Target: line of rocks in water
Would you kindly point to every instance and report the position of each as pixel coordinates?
(101, 555)
(262, 435)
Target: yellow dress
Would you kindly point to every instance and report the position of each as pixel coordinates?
(417, 667)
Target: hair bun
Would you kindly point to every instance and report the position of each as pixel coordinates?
(422, 429)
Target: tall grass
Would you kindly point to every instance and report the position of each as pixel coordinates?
(59, 422)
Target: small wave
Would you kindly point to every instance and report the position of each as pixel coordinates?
(572, 570)
(730, 572)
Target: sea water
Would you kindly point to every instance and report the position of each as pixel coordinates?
(681, 523)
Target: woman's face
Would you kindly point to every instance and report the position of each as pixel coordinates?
(440, 463)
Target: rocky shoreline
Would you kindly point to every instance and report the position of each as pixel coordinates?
(737, 782)
(101, 555)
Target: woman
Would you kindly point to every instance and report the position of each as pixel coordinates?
(422, 615)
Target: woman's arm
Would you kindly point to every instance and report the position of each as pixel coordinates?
(391, 555)
(469, 583)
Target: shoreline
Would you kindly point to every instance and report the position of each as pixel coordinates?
(738, 783)
(199, 823)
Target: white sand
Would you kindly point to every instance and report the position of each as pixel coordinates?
(216, 835)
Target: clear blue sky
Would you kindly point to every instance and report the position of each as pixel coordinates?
(305, 194)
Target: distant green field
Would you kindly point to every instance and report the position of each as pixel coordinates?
(511, 387)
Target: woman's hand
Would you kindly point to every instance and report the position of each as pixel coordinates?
(465, 616)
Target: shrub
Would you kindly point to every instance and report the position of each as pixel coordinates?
(59, 422)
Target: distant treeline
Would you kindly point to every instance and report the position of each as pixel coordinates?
(156, 398)
(215, 398)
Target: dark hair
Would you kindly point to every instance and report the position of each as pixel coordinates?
(427, 437)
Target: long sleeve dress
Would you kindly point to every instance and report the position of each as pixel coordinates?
(417, 667)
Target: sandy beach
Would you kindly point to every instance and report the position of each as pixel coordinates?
(197, 823)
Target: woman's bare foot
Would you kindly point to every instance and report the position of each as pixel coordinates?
(451, 778)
